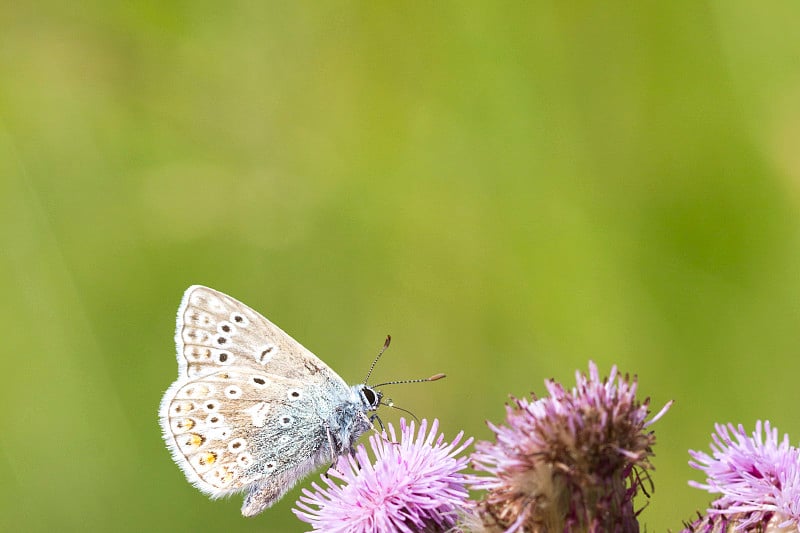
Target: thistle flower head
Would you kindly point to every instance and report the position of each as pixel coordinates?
(572, 461)
(415, 484)
(757, 478)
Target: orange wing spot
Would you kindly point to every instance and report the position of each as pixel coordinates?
(194, 440)
(195, 391)
(222, 476)
(207, 458)
(184, 407)
(185, 424)
(197, 353)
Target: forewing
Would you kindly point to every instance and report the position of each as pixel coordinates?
(216, 331)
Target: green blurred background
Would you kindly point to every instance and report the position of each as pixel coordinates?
(510, 190)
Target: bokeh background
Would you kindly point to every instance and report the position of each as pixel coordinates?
(510, 190)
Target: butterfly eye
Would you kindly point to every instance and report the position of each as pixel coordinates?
(286, 421)
(369, 395)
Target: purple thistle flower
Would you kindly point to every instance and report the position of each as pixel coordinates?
(757, 477)
(415, 484)
(572, 461)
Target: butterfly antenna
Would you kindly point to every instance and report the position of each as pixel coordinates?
(434, 377)
(371, 368)
(393, 406)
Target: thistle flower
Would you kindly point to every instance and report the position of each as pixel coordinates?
(415, 484)
(757, 477)
(572, 461)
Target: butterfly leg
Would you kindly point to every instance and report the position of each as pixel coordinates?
(334, 455)
(381, 433)
(376, 417)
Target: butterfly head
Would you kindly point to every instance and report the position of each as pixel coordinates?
(370, 398)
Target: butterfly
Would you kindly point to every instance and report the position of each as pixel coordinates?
(253, 410)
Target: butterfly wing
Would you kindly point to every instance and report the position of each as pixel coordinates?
(250, 406)
(214, 330)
